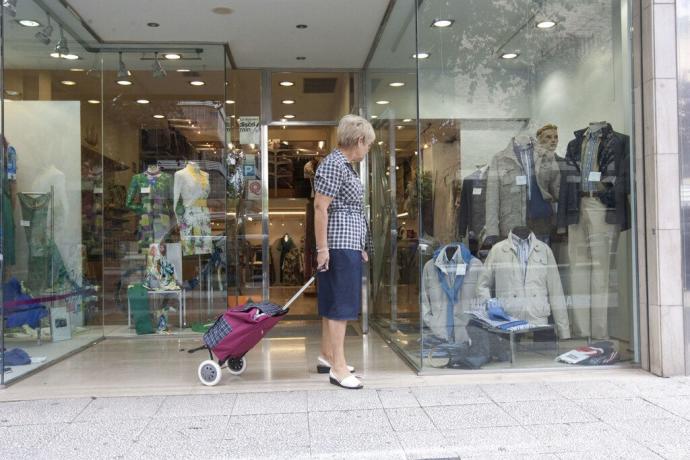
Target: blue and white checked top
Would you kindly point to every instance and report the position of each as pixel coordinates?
(347, 225)
(589, 152)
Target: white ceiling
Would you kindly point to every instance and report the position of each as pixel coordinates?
(261, 33)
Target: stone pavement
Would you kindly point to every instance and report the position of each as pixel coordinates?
(631, 416)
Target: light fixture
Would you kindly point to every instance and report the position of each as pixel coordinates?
(61, 48)
(44, 34)
(12, 92)
(399, 126)
(29, 23)
(321, 144)
(509, 55)
(301, 26)
(153, 24)
(396, 84)
(546, 24)
(286, 83)
(10, 6)
(288, 101)
(374, 116)
(158, 70)
(93, 101)
(142, 101)
(301, 58)
(70, 57)
(183, 70)
(197, 83)
(383, 102)
(285, 143)
(407, 120)
(380, 142)
(68, 82)
(124, 82)
(289, 116)
(172, 56)
(229, 101)
(421, 55)
(122, 72)
(76, 69)
(159, 116)
(54, 55)
(442, 23)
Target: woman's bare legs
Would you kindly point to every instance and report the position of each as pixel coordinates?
(326, 352)
(336, 332)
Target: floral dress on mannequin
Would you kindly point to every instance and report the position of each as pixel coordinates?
(150, 196)
(190, 192)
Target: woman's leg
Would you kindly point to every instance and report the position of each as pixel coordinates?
(336, 331)
(326, 351)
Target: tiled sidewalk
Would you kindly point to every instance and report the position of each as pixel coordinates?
(637, 418)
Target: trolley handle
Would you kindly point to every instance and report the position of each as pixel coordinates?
(303, 288)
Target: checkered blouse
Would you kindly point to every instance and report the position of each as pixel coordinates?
(347, 224)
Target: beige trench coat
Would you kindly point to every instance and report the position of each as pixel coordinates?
(531, 298)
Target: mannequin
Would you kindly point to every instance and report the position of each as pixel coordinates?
(150, 197)
(547, 136)
(191, 188)
(593, 208)
(522, 184)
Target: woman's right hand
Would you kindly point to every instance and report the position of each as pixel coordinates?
(322, 258)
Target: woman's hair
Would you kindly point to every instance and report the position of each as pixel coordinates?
(352, 128)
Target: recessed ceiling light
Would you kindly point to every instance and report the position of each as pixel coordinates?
(153, 24)
(380, 142)
(407, 120)
(222, 10)
(124, 82)
(400, 126)
(546, 24)
(68, 82)
(142, 101)
(288, 101)
(421, 55)
(172, 56)
(288, 116)
(94, 101)
(70, 57)
(76, 69)
(396, 84)
(229, 101)
(374, 116)
(55, 55)
(159, 116)
(286, 83)
(29, 23)
(183, 70)
(383, 102)
(301, 26)
(442, 23)
(509, 55)
(301, 58)
(197, 83)
(12, 92)
(232, 116)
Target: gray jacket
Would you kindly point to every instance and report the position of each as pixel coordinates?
(531, 297)
(435, 303)
(506, 202)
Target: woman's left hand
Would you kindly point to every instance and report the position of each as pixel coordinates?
(365, 256)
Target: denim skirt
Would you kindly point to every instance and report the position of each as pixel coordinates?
(340, 288)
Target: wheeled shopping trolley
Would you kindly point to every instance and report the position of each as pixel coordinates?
(236, 332)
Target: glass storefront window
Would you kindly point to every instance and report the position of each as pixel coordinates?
(523, 183)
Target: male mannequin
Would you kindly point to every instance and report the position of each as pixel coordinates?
(593, 207)
(547, 136)
(192, 186)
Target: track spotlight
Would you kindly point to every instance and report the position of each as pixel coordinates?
(122, 72)
(158, 70)
(44, 34)
(10, 6)
(61, 48)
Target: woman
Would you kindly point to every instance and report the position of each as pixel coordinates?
(342, 242)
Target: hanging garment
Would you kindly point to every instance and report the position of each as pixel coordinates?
(138, 298)
(35, 212)
(472, 213)
(191, 188)
(448, 292)
(283, 246)
(531, 294)
(291, 273)
(150, 197)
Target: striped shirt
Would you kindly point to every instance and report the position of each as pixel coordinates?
(590, 149)
(522, 247)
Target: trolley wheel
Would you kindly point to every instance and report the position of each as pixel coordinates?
(436, 361)
(209, 373)
(237, 365)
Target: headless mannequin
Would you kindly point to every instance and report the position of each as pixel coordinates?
(596, 126)
(153, 169)
(450, 251)
(521, 232)
(523, 141)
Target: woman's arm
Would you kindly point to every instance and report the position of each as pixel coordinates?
(321, 203)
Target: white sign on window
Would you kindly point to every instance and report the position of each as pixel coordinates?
(250, 130)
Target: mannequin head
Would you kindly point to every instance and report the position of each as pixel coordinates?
(547, 136)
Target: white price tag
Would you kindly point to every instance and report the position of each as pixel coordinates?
(146, 190)
(26, 223)
(520, 180)
(595, 176)
(98, 190)
(476, 191)
(461, 269)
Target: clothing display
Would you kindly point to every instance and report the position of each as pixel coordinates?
(35, 215)
(190, 191)
(150, 196)
(595, 354)
(523, 181)
(160, 273)
(531, 290)
(448, 291)
(138, 298)
(594, 207)
(472, 212)
(7, 230)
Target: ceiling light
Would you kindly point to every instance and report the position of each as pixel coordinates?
(142, 101)
(44, 34)
(380, 142)
(71, 57)
(172, 56)
(509, 55)
(183, 70)
(407, 120)
(546, 24)
(289, 116)
(94, 101)
(374, 116)
(321, 144)
(54, 55)
(288, 101)
(301, 58)
(301, 26)
(229, 101)
(396, 84)
(222, 10)
(421, 55)
(68, 82)
(122, 72)
(197, 83)
(76, 69)
(158, 70)
(442, 23)
(383, 102)
(61, 48)
(12, 92)
(10, 6)
(286, 83)
(159, 116)
(29, 23)
(400, 126)
(153, 24)
(124, 82)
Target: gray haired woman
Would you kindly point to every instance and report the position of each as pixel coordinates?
(343, 241)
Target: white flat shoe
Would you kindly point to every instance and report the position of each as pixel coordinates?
(350, 382)
(324, 367)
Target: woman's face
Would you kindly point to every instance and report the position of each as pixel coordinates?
(361, 149)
